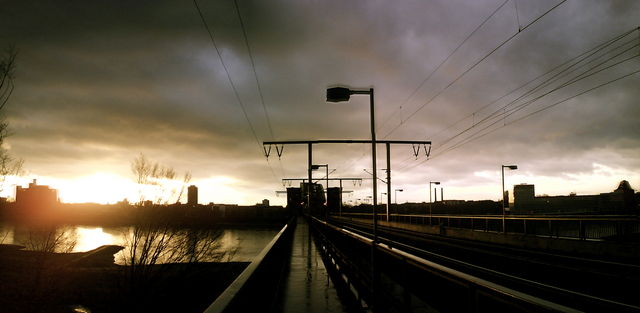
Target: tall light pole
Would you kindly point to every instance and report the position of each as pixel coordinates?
(396, 194)
(430, 202)
(504, 200)
(317, 167)
(339, 94)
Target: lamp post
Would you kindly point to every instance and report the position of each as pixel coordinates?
(396, 194)
(504, 200)
(430, 202)
(317, 167)
(339, 94)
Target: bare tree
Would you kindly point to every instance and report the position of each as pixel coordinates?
(51, 239)
(8, 165)
(159, 178)
(160, 243)
(185, 181)
(45, 274)
(7, 67)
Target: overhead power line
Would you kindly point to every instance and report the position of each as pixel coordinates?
(472, 67)
(591, 62)
(502, 112)
(233, 86)
(538, 111)
(255, 75)
(253, 66)
(442, 63)
(575, 60)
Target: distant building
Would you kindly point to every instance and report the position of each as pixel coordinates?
(265, 202)
(294, 198)
(523, 198)
(37, 197)
(621, 200)
(192, 195)
(334, 197)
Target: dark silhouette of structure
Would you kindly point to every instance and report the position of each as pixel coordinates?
(192, 195)
(621, 200)
(36, 197)
(334, 197)
(36, 203)
(297, 197)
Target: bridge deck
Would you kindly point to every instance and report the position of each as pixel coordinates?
(306, 285)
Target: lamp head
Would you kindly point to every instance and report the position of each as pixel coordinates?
(512, 167)
(315, 167)
(338, 94)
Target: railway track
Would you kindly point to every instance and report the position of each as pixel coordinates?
(581, 282)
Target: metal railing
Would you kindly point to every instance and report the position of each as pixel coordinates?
(255, 285)
(405, 281)
(583, 227)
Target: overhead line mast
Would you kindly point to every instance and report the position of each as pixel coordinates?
(416, 144)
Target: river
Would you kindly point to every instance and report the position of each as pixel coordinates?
(244, 243)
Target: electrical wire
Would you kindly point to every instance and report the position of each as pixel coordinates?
(440, 65)
(581, 57)
(595, 69)
(497, 115)
(255, 75)
(538, 111)
(472, 67)
(233, 86)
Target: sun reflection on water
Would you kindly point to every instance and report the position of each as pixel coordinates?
(90, 238)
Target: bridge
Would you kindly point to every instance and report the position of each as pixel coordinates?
(439, 263)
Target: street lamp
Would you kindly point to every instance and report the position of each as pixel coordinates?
(396, 194)
(504, 200)
(431, 202)
(339, 94)
(317, 167)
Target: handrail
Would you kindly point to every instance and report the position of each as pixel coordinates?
(517, 217)
(224, 300)
(500, 289)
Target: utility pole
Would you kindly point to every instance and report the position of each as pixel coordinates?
(416, 144)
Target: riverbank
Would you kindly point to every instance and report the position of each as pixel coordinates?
(61, 282)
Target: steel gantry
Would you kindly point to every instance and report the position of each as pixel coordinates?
(416, 144)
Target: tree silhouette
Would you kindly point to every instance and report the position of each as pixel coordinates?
(8, 165)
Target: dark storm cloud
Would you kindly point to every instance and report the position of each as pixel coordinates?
(107, 80)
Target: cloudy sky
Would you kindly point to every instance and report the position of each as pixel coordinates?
(99, 82)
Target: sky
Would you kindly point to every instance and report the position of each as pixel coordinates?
(97, 83)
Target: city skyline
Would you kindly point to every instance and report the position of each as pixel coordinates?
(96, 84)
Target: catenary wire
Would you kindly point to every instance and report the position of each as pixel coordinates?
(580, 58)
(255, 75)
(440, 65)
(233, 86)
(473, 66)
(571, 81)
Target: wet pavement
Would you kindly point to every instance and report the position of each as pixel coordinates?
(307, 286)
